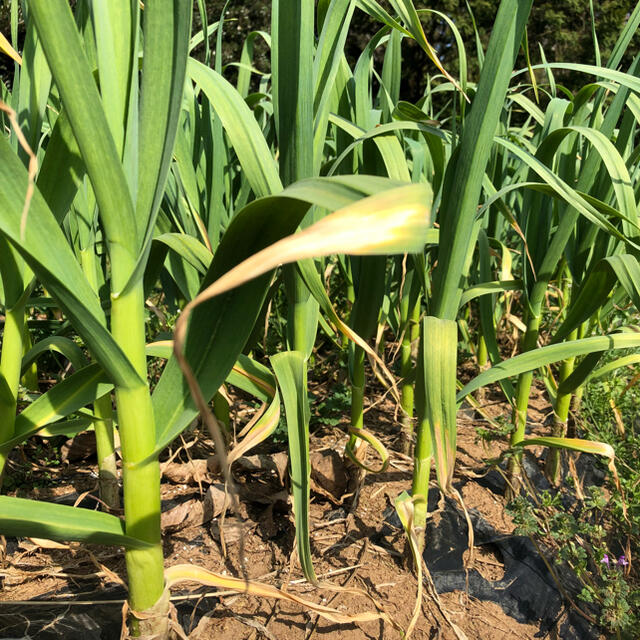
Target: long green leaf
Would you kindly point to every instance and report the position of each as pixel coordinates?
(63, 399)
(241, 128)
(219, 327)
(188, 248)
(45, 249)
(72, 73)
(464, 176)
(291, 372)
(31, 518)
(167, 28)
(546, 355)
(68, 348)
(597, 288)
(438, 365)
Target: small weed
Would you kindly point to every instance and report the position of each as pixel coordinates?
(500, 433)
(582, 543)
(593, 536)
(332, 408)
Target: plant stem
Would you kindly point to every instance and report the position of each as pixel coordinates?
(523, 388)
(483, 365)
(10, 365)
(560, 419)
(483, 355)
(221, 412)
(576, 401)
(423, 450)
(421, 474)
(103, 409)
(553, 466)
(357, 388)
(30, 377)
(302, 321)
(141, 470)
(107, 467)
(410, 321)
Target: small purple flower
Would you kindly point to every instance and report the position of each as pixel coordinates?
(605, 559)
(622, 561)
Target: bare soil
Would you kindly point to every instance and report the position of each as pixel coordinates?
(352, 547)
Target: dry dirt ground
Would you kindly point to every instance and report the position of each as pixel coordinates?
(72, 591)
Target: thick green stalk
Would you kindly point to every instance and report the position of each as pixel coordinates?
(351, 296)
(576, 401)
(369, 278)
(423, 451)
(409, 319)
(357, 389)
(107, 465)
(103, 410)
(576, 404)
(140, 468)
(483, 354)
(10, 364)
(483, 364)
(523, 388)
(563, 400)
(421, 472)
(302, 317)
(560, 417)
(30, 376)
(292, 78)
(459, 232)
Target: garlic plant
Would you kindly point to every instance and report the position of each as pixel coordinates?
(130, 163)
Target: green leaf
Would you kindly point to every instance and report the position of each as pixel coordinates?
(597, 288)
(606, 369)
(583, 372)
(486, 307)
(62, 169)
(67, 428)
(438, 365)
(219, 328)
(188, 248)
(35, 519)
(291, 372)
(329, 53)
(47, 252)
(292, 33)
(7, 49)
(619, 77)
(167, 28)
(546, 355)
(572, 444)
(410, 17)
(68, 348)
(63, 399)
(486, 288)
(254, 378)
(241, 127)
(463, 181)
(73, 77)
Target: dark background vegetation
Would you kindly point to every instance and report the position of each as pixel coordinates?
(561, 27)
